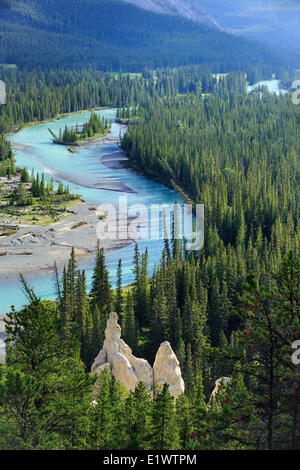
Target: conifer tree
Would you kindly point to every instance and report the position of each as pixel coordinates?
(107, 416)
(41, 366)
(270, 319)
(129, 331)
(163, 431)
(142, 416)
(119, 293)
(183, 419)
(101, 289)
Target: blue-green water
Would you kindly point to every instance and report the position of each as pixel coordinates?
(79, 171)
(273, 86)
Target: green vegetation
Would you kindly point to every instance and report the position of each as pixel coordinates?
(67, 92)
(126, 115)
(238, 155)
(94, 128)
(42, 366)
(63, 92)
(51, 346)
(67, 137)
(42, 35)
(7, 163)
(231, 309)
(30, 200)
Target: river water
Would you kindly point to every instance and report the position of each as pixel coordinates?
(273, 86)
(81, 171)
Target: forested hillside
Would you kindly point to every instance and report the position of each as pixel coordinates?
(274, 22)
(231, 309)
(56, 34)
(50, 360)
(191, 9)
(71, 91)
(238, 155)
(63, 92)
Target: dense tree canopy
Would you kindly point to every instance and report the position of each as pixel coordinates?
(230, 309)
(114, 35)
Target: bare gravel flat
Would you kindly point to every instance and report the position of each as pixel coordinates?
(33, 249)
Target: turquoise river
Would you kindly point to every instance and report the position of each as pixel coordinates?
(81, 171)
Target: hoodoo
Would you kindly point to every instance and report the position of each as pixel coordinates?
(117, 356)
(166, 369)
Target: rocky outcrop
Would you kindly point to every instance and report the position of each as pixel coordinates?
(166, 369)
(218, 383)
(117, 356)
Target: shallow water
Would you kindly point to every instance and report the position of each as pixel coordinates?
(273, 86)
(80, 171)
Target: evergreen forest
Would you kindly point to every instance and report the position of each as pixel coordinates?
(230, 309)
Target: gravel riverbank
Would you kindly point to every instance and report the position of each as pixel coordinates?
(33, 249)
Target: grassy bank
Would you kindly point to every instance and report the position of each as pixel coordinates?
(18, 206)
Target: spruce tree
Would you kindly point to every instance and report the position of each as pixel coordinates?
(163, 430)
(129, 330)
(119, 293)
(43, 386)
(101, 289)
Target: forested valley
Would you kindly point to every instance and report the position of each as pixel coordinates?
(50, 362)
(231, 309)
(112, 35)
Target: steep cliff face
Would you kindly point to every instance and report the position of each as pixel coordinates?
(117, 356)
(190, 9)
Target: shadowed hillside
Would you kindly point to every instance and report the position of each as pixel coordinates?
(113, 35)
(274, 22)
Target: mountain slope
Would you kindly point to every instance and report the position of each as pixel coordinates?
(114, 35)
(274, 22)
(190, 9)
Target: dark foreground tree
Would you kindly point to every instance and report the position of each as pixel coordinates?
(270, 318)
(44, 390)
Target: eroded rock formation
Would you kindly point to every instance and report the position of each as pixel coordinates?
(166, 369)
(117, 356)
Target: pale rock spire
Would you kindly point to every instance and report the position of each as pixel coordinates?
(117, 356)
